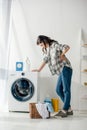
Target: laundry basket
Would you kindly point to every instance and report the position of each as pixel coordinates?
(34, 114)
(33, 111)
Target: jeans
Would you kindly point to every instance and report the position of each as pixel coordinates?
(63, 88)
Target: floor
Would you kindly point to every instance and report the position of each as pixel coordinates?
(22, 121)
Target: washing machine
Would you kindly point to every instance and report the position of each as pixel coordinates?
(22, 90)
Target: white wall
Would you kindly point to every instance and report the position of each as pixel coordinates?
(58, 19)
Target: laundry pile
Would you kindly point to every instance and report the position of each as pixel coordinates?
(41, 110)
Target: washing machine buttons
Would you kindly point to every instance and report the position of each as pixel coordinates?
(22, 73)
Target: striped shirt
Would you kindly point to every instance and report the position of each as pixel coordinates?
(53, 58)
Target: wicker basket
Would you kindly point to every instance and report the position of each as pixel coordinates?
(33, 111)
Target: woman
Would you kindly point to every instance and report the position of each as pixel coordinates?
(60, 65)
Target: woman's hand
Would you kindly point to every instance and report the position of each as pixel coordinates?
(35, 70)
(62, 57)
(40, 68)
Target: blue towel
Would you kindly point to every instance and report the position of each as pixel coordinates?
(48, 103)
(49, 107)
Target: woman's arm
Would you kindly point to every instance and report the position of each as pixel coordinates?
(63, 53)
(40, 68)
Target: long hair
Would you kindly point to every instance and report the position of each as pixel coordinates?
(45, 40)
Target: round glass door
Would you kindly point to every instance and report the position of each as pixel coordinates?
(22, 89)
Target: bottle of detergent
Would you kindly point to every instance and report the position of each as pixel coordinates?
(27, 64)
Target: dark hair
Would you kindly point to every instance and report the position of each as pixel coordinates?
(45, 40)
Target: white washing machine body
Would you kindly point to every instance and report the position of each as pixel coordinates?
(22, 90)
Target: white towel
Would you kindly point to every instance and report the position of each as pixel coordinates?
(42, 109)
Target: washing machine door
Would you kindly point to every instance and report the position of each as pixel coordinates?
(22, 89)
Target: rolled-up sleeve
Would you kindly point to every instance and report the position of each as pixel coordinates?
(45, 59)
(61, 47)
(65, 47)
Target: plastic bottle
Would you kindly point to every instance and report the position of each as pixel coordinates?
(27, 64)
